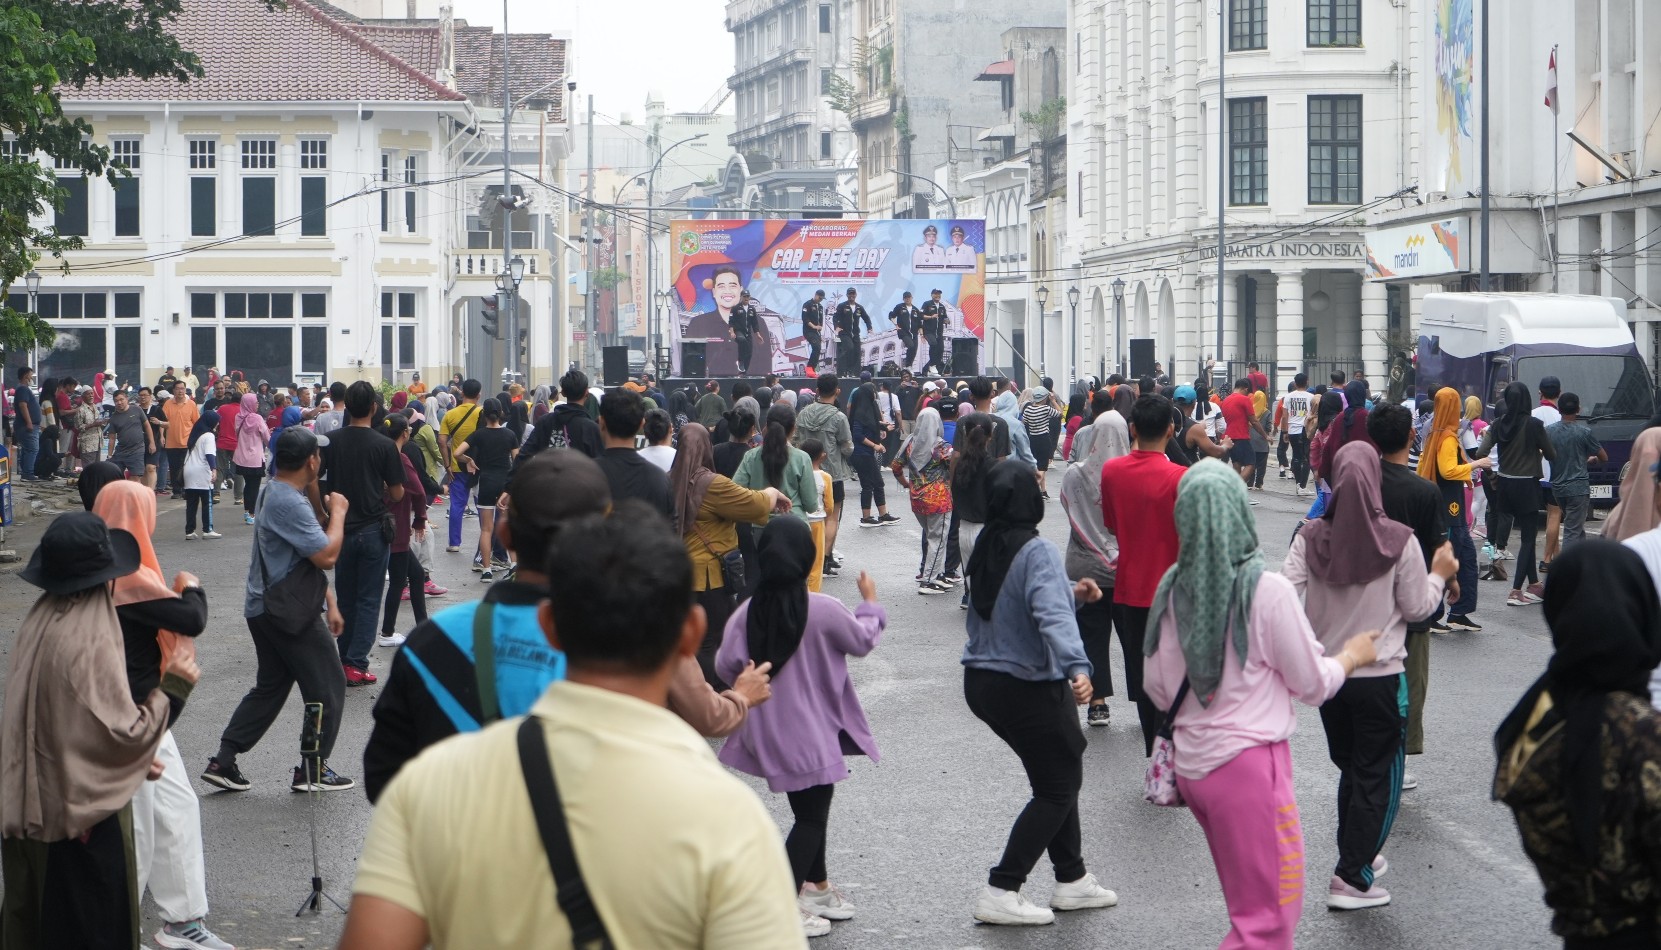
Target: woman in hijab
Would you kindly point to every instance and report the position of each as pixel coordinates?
(540, 399)
(1470, 436)
(200, 469)
(1077, 403)
(1522, 443)
(1019, 446)
(709, 507)
(1260, 439)
(1092, 551)
(158, 624)
(926, 461)
(680, 408)
(93, 479)
(786, 397)
(1636, 512)
(1358, 570)
(1025, 670)
(1228, 649)
(1349, 426)
(1328, 413)
(797, 741)
(1578, 754)
(865, 428)
(75, 747)
(1443, 463)
(252, 434)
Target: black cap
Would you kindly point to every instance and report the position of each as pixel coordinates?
(295, 445)
(79, 551)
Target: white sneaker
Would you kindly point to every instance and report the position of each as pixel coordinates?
(396, 640)
(1409, 781)
(998, 906)
(1082, 894)
(210, 535)
(1341, 896)
(828, 903)
(814, 925)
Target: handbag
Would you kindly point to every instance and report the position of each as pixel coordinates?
(1159, 782)
(732, 565)
(588, 930)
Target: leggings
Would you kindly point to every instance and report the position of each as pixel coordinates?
(1498, 520)
(1521, 499)
(250, 486)
(870, 480)
(403, 567)
(1095, 627)
(805, 845)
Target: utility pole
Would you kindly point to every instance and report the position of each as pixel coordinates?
(590, 252)
(1222, 167)
(1485, 279)
(512, 292)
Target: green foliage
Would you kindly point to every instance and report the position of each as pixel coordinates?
(607, 278)
(843, 94)
(1046, 122)
(902, 124)
(45, 46)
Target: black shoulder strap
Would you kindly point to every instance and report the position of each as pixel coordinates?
(1171, 714)
(588, 931)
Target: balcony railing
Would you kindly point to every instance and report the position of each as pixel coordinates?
(489, 263)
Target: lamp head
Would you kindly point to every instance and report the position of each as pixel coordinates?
(516, 268)
(1043, 295)
(1118, 289)
(1072, 296)
(32, 281)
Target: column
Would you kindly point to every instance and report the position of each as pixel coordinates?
(1288, 322)
(1231, 321)
(1375, 319)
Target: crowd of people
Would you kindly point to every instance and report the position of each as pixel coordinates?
(657, 568)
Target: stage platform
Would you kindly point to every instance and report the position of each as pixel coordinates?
(797, 383)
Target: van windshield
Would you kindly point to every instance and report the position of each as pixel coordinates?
(1609, 387)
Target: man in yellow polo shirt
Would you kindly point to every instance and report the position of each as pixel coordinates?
(676, 852)
(455, 428)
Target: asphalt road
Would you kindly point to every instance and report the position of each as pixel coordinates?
(913, 837)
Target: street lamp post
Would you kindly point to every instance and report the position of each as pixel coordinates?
(654, 332)
(1043, 295)
(31, 280)
(508, 283)
(1072, 362)
(662, 310)
(951, 205)
(1118, 323)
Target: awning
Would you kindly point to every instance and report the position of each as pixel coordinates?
(1003, 69)
(1004, 131)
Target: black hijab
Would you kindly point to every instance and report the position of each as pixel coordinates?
(1606, 627)
(1015, 506)
(1355, 399)
(778, 606)
(1331, 405)
(1518, 407)
(862, 408)
(93, 479)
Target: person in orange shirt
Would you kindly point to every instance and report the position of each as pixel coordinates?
(416, 386)
(181, 413)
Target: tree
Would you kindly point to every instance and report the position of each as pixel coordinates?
(47, 46)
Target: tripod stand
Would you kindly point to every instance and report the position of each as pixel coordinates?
(311, 765)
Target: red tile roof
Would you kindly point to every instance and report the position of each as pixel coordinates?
(251, 53)
(538, 63)
(417, 45)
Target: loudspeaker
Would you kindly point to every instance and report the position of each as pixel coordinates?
(692, 360)
(615, 362)
(1141, 358)
(965, 356)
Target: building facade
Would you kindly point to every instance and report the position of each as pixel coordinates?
(1315, 103)
(295, 225)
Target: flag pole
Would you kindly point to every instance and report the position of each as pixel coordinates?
(1556, 170)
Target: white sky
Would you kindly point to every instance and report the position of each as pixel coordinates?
(626, 48)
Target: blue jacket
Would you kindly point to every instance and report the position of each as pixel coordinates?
(1033, 634)
(432, 692)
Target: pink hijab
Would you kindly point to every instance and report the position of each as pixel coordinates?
(1354, 542)
(1636, 512)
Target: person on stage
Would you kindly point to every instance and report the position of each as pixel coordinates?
(847, 317)
(906, 320)
(961, 255)
(744, 325)
(718, 330)
(929, 255)
(813, 327)
(935, 316)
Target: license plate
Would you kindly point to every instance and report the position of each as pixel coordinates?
(1603, 491)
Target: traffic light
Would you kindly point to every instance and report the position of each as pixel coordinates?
(492, 315)
(524, 361)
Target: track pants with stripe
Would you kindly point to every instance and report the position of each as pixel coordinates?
(1366, 726)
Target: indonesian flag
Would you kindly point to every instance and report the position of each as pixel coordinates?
(1551, 82)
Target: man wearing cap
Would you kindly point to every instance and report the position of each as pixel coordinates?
(961, 256)
(935, 317)
(1189, 443)
(848, 315)
(813, 328)
(285, 608)
(929, 255)
(1549, 415)
(906, 320)
(743, 327)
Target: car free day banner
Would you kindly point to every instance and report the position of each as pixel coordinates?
(781, 264)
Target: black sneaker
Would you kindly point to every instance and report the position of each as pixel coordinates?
(227, 777)
(830, 570)
(952, 579)
(932, 587)
(886, 520)
(1437, 626)
(868, 522)
(1463, 622)
(1098, 715)
(327, 781)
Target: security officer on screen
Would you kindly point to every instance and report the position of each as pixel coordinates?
(848, 315)
(813, 327)
(744, 324)
(935, 316)
(906, 320)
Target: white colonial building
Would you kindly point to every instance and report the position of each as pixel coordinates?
(309, 208)
(1315, 102)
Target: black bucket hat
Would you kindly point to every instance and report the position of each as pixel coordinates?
(79, 551)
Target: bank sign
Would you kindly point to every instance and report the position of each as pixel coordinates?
(1425, 249)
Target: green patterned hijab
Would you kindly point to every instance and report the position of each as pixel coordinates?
(1211, 585)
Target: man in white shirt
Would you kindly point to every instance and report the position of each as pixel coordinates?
(1298, 406)
(961, 256)
(454, 856)
(1550, 388)
(929, 255)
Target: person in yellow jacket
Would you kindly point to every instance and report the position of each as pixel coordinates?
(1443, 462)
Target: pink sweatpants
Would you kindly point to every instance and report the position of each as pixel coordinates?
(1250, 817)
